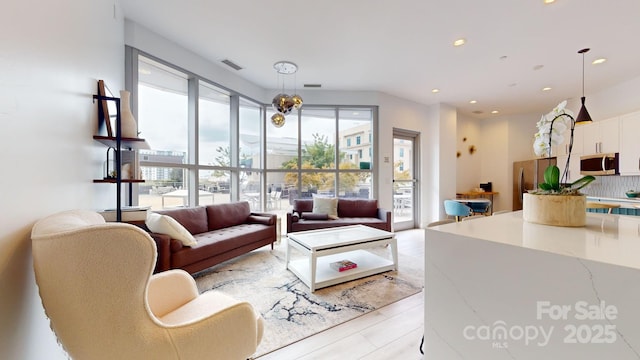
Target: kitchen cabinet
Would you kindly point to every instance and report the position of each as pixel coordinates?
(574, 167)
(578, 140)
(629, 147)
(576, 151)
(601, 137)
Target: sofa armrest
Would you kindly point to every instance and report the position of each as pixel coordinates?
(385, 215)
(163, 248)
(273, 218)
(263, 214)
(260, 219)
(292, 217)
(169, 290)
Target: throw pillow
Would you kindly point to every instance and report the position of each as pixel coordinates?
(327, 206)
(314, 216)
(163, 224)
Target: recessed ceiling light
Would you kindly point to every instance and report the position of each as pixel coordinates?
(495, 111)
(459, 42)
(473, 102)
(598, 61)
(546, 88)
(549, 1)
(435, 90)
(538, 67)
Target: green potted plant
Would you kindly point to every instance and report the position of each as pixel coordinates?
(556, 202)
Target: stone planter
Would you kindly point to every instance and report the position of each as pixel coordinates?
(555, 210)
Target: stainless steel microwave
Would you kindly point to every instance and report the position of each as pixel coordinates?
(600, 164)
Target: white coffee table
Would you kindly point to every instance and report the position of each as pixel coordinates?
(324, 246)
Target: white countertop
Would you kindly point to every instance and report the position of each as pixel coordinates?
(610, 239)
(624, 202)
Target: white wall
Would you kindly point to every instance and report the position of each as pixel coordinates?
(440, 162)
(469, 165)
(617, 100)
(52, 55)
(143, 39)
(403, 114)
(505, 140)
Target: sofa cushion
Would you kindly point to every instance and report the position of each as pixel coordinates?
(226, 215)
(358, 208)
(221, 241)
(193, 219)
(164, 224)
(329, 206)
(302, 205)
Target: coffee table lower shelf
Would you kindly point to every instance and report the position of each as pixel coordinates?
(368, 264)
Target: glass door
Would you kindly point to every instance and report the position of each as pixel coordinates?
(405, 209)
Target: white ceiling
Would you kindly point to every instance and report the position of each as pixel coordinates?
(404, 47)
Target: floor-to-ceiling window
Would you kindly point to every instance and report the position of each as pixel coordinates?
(214, 144)
(163, 120)
(210, 145)
(323, 151)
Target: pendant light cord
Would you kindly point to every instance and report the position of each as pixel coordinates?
(583, 51)
(583, 74)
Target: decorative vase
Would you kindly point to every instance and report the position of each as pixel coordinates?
(129, 127)
(555, 210)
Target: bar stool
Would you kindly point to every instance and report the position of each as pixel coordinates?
(456, 209)
(599, 205)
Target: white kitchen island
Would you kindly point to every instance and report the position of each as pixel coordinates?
(501, 288)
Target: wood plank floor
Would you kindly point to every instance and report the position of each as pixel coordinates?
(391, 332)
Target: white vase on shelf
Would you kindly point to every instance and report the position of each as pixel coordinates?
(129, 126)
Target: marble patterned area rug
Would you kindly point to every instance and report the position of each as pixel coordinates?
(290, 310)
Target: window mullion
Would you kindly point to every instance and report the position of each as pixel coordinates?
(193, 102)
(234, 119)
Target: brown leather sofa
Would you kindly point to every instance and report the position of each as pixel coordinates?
(350, 212)
(223, 231)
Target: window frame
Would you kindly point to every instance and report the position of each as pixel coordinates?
(193, 166)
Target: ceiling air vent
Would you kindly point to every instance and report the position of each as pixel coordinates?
(231, 64)
(312, 85)
(477, 112)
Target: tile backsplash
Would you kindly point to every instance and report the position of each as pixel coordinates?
(612, 186)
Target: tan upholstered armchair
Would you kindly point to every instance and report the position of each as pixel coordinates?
(97, 288)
